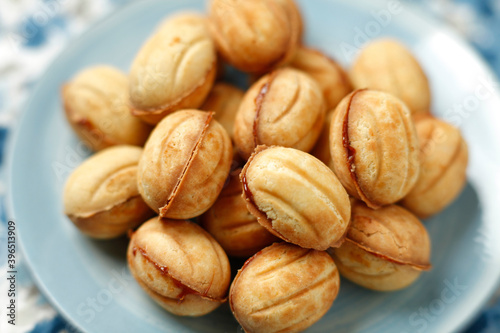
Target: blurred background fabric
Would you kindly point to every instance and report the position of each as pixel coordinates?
(33, 32)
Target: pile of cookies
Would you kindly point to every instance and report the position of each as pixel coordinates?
(310, 172)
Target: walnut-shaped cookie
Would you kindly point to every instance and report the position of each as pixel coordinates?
(329, 75)
(232, 225)
(185, 163)
(175, 69)
(255, 35)
(101, 195)
(96, 106)
(321, 149)
(387, 65)
(296, 16)
(443, 166)
(296, 197)
(374, 147)
(385, 249)
(224, 100)
(180, 266)
(284, 288)
(285, 108)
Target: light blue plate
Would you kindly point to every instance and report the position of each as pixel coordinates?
(88, 280)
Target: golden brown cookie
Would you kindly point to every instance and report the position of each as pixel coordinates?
(296, 197)
(185, 163)
(175, 69)
(232, 225)
(285, 108)
(443, 166)
(255, 35)
(387, 65)
(180, 266)
(385, 249)
(224, 100)
(329, 75)
(96, 106)
(101, 195)
(321, 149)
(374, 147)
(284, 288)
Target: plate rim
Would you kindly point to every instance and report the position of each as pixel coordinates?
(14, 134)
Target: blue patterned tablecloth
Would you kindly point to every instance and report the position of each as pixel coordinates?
(33, 32)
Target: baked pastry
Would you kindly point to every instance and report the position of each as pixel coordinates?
(180, 266)
(331, 78)
(374, 147)
(321, 149)
(101, 197)
(387, 65)
(232, 225)
(295, 16)
(96, 106)
(175, 69)
(443, 166)
(284, 108)
(296, 197)
(224, 100)
(283, 288)
(186, 160)
(269, 41)
(385, 249)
